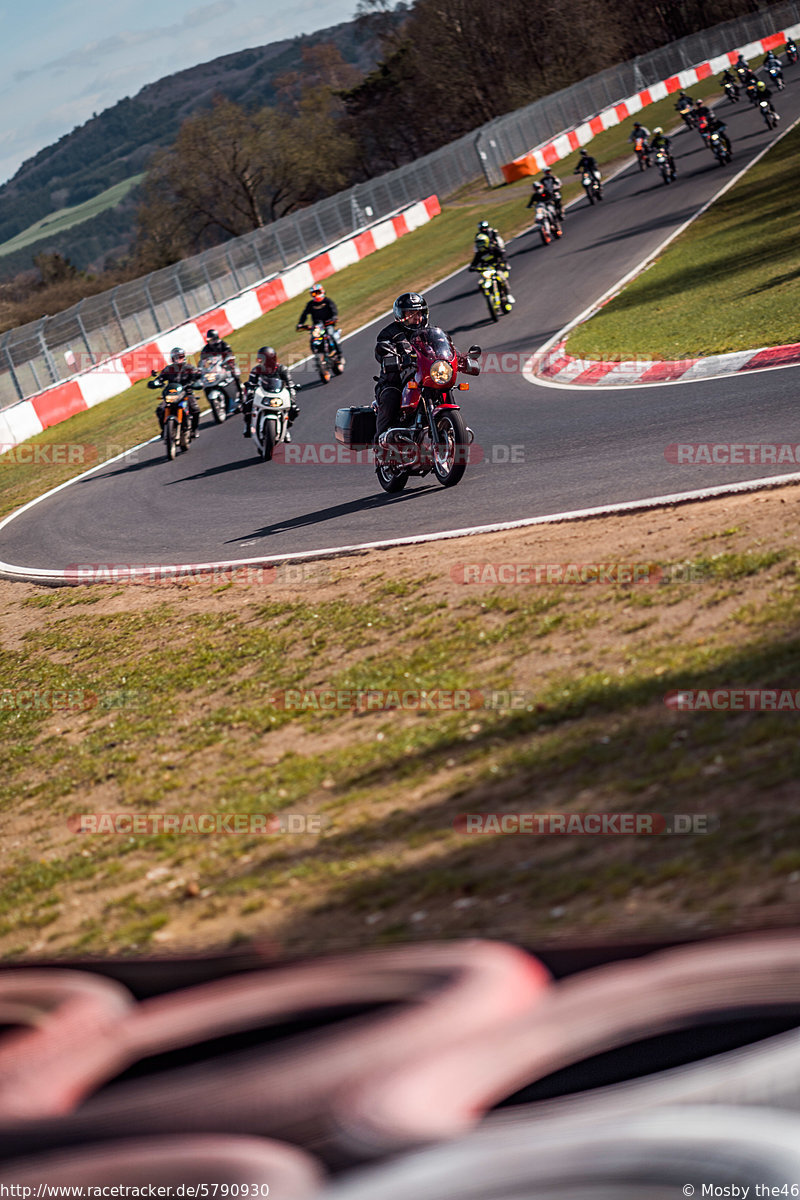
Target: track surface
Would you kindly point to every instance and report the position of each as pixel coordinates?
(578, 448)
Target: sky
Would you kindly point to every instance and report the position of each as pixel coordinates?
(67, 59)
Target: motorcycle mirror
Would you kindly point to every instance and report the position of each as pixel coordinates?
(474, 351)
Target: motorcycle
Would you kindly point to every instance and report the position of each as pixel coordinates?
(776, 75)
(751, 92)
(664, 166)
(546, 223)
(431, 435)
(686, 112)
(273, 408)
(791, 53)
(732, 92)
(592, 187)
(325, 349)
(177, 431)
(555, 202)
(493, 282)
(719, 148)
(642, 152)
(702, 128)
(768, 113)
(219, 385)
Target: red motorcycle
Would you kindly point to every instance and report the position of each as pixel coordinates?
(431, 434)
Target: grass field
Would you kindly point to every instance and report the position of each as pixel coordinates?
(188, 719)
(730, 282)
(65, 218)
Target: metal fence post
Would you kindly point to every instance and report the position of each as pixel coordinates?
(149, 299)
(10, 361)
(115, 310)
(82, 328)
(229, 261)
(46, 355)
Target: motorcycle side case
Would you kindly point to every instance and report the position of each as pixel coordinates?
(355, 427)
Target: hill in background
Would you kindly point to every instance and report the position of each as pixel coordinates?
(115, 146)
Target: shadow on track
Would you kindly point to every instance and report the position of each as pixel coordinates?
(332, 513)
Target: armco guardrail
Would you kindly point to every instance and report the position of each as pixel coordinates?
(39, 355)
(94, 383)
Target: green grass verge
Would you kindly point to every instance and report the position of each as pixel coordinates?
(65, 218)
(730, 282)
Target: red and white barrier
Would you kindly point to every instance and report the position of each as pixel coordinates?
(117, 374)
(543, 156)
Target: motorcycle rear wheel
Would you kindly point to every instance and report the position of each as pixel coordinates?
(449, 468)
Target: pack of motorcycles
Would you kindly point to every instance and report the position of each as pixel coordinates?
(431, 437)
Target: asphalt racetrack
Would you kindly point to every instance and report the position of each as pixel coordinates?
(543, 450)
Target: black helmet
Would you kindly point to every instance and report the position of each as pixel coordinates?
(410, 310)
(483, 226)
(268, 358)
(177, 355)
(212, 336)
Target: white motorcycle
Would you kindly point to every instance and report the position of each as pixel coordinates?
(273, 407)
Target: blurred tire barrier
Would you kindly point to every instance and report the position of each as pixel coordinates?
(61, 1036)
(593, 1012)
(460, 1069)
(651, 1156)
(207, 1059)
(286, 1173)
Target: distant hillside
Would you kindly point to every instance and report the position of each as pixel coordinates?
(117, 143)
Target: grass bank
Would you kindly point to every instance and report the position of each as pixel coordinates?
(575, 679)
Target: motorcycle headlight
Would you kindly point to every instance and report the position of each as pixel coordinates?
(276, 402)
(441, 372)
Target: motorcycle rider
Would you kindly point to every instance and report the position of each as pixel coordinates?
(487, 255)
(215, 347)
(586, 163)
(740, 66)
(492, 234)
(684, 105)
(790, 49)
(765, 93)
(717, 126)
(702, 116)
(662, 142)
(730, 84)
(267, 365)
(393, 351)
(552, 186)
(322, 311)
(178, 371)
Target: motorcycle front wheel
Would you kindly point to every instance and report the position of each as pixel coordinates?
(492, 305)
(450, 460)
(266, 438)
(185, 434)
(217, 403)
(170, 443)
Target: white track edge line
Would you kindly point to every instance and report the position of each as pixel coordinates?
(59, 577)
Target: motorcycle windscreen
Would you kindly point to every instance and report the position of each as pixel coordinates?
(272, 385)
(434, 343)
